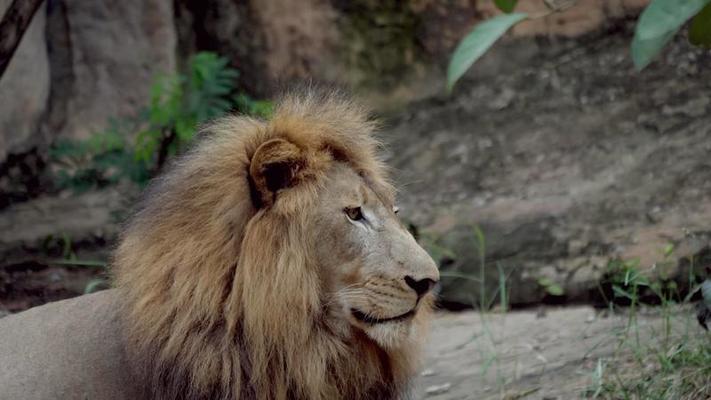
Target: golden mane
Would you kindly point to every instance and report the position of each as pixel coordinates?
(220, 296)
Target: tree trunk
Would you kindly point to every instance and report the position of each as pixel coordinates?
(13, 25)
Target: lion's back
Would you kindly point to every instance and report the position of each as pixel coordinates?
(65, 350)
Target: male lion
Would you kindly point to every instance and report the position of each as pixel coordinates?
(268, 263)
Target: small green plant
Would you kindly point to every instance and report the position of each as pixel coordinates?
(550, 287)
(137, 149)
(678, 370)
(59, 245)
(490, 347)
(626, 278)
(672, 364)
(179, 103)
(102, 159)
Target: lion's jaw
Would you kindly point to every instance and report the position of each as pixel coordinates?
(370, 260)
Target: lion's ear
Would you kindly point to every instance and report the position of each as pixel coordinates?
(275, 166)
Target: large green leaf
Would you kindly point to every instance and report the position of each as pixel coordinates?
(506, 6)
(477, 42)
(658, 23)
(700, 29)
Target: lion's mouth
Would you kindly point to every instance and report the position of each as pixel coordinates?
(362, 317)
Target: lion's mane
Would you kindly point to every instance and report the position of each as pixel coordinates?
(222, 299)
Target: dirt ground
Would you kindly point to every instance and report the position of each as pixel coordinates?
(539, 354)
(542, 354)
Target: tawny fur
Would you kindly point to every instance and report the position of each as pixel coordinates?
(221, 299)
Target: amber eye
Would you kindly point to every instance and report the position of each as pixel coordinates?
(354, 213)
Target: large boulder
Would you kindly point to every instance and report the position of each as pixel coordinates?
(565, 158)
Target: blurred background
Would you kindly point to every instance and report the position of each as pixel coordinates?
(569, 165)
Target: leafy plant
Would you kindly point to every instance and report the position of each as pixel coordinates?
(657, 24)
(179, 103)
(550, 287)
(137, 149)
(626, 279)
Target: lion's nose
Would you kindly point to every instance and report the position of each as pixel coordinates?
(422, 286)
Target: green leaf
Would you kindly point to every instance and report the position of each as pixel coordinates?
(657, 24)
(145, 145)
(619, 292)
(96, 285)
(555, 290)
(700, 29)
(550, 287)
(185, 129)
(477, 42)
(668, 249)
(506, 6)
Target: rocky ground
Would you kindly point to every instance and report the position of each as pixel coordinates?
(544, 354)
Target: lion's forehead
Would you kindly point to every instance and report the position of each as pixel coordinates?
(344, 180)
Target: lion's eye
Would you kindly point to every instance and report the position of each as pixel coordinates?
(396, 209)
(354, 213)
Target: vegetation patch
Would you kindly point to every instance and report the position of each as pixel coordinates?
(137, 149)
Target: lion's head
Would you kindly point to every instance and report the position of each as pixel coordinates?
(269, 263)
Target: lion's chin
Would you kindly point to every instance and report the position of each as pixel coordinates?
(391, 335)
(387, 332)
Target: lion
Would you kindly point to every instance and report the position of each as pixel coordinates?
(267, 263)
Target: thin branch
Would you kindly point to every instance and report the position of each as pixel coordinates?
(13, 25)
(554, 6)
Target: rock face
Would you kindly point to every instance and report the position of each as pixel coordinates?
(24, 88)
(565, 158)
(104, 58)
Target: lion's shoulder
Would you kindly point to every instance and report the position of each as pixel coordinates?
(69, 349)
